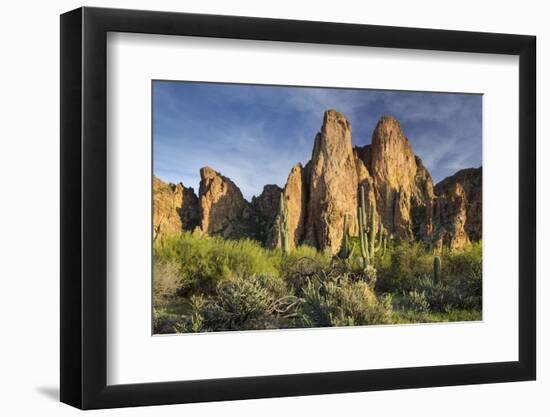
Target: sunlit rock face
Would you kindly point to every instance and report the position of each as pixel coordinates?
(319, 194)
(333, 183)
(175, 208)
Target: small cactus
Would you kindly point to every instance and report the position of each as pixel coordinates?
(437, 269)
(283, 225)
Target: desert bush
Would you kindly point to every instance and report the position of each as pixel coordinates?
(409, 267)
(448, 295)
(166, 281)
(256, 302)
(462, 262)
(414, 301)
(343, 302)
(205, 261)
(402, 266)
(164, 322)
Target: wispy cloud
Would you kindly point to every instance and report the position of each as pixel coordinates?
(255, 134)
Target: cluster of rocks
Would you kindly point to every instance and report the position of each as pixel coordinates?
(319, 195)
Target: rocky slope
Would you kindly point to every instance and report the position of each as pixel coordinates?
(319, 195)
(458, 209)
(175, 208)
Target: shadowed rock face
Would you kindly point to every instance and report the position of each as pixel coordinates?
(458, 209)
(319, 194)
(221, 203)
(295, 197)
(266, 209)
(175, 208)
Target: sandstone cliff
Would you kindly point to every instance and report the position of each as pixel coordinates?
(404, 190)
(458, 209)
(223, 209)
(266, 208)
(295, 197)
(332, 182)
(318, 195)
(175, 208)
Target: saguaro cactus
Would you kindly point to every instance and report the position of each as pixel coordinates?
(374, 247)
(437, 269)
(368, 240)
(363, 235)
(346, 249)
(283, 225)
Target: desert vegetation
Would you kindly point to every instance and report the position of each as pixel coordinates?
(357, 236)
(207, 283)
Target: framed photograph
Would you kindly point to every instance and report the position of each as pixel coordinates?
(257, 208)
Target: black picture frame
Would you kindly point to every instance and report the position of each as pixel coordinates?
(84, 207)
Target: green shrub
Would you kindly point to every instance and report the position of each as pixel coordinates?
(204, 261)
(449, 295)
(399, 270)
(164, 322)
(203, 283)
(257, 302)
(343, 302)
(414, 301)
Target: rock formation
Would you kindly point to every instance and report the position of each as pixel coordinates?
(458, 209)
(223, 208)
(175, 208)
(333, 183)
(403, 186)
(318, 195)
(295, 197)
(266, 208)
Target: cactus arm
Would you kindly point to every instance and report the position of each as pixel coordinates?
(372, 234)
(363, 237)
(363, 206)
(346, 250)
(380, 235)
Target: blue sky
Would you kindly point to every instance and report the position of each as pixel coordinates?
(255, 134)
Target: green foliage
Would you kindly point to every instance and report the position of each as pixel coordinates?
(164, 322)
(414, 301)
(404, 264)
(450, 295)
(411, 316)
(343, 302)
(204, 284)
(257, 302)
(204, 261)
